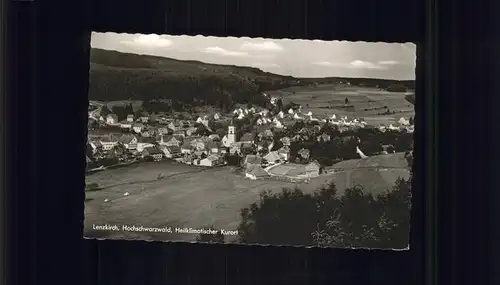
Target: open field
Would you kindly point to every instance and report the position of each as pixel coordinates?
(195, 197)
(367, 103)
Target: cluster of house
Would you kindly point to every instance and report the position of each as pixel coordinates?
(159, 136)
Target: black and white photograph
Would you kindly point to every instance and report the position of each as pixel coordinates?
(250, 141)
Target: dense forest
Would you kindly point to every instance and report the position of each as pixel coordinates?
(122, 76)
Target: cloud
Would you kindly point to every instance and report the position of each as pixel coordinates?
(268, 65)
(220, 51)
(388, 62)
(365, 65)
(323, 63)
(153, 41)
(355, 64)
(261, 46)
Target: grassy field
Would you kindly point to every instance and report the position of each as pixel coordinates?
(368, 103)
(195, 197)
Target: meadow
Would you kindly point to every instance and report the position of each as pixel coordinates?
(376, 106)
(195, 197)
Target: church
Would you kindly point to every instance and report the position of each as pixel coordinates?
(231, 136)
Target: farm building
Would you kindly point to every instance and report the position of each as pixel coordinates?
(312, 169)
(153, 152)
(211, 160)
(255, 172)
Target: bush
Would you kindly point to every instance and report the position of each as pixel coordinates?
(355, 219)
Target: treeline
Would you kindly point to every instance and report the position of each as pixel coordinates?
(121, 76)
(355, 219)
(341, 145)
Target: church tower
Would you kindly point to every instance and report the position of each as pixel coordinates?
(231, 134)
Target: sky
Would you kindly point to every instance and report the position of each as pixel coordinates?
(298, 58)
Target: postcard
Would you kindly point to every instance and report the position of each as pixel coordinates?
(250, 141)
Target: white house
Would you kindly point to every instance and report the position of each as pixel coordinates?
(138, 128)
(126, 125)
(216, 116)
(290, 111)
(112, 119)
(404, 122)
(255, 172)
(130, 118)
(211, 160)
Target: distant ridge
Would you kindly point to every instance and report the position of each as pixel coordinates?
(124, 76)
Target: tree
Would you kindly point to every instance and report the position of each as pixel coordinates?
(218, 237)
(346, 101)
(129, 109)
(412, 120)
(202, 130)
(355, 219)
(371, 147)
(279, 103)
(275, 219)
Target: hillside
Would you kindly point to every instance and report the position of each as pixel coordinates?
(122, 76)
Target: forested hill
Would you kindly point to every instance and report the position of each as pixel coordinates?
(123, 76)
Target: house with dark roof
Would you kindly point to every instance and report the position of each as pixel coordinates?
(172, 151)
(153, 152)
(129, 141)
(180, 132)
(143, 142)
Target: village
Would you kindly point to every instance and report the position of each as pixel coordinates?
(256, 139)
